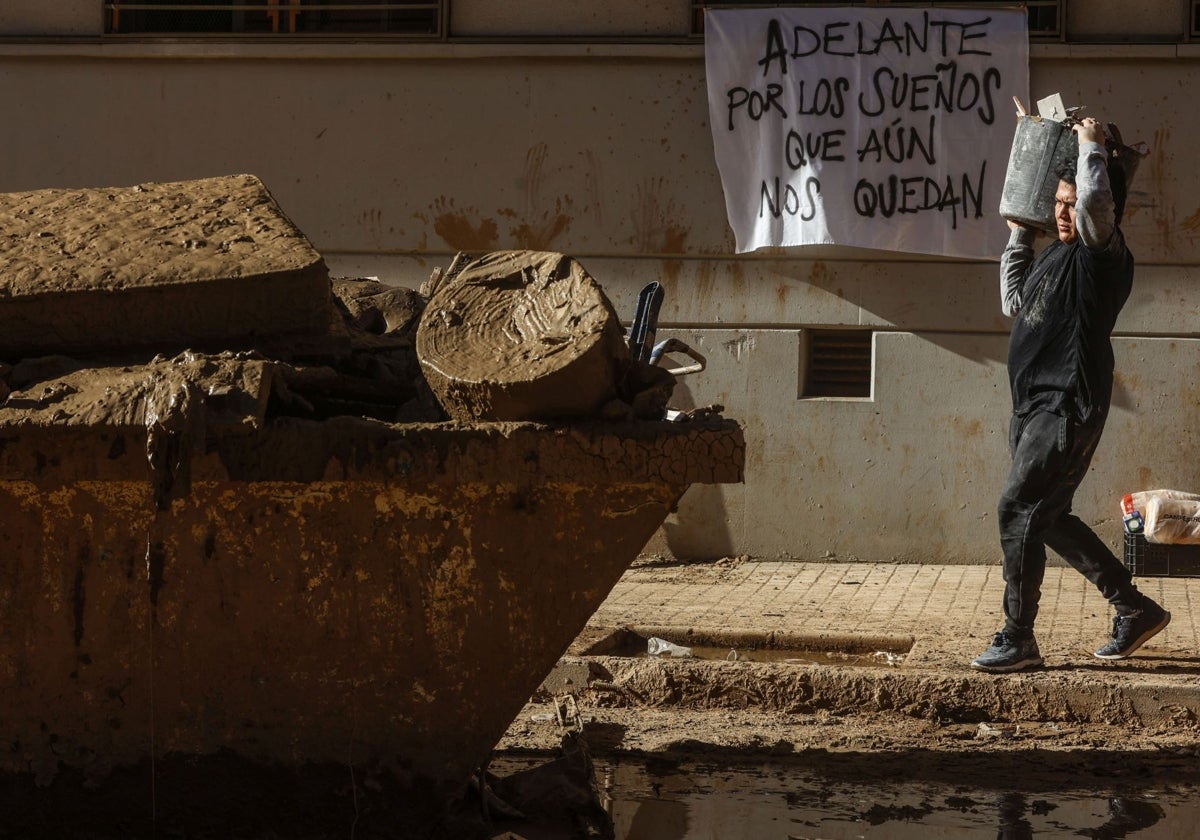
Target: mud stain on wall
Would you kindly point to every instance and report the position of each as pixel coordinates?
(1163, 214)
(535, 159)
(968, 430)
(1192, 223)
(738, 273)
(372, 222)
(1127, 381)
(656, 228)
(461, 229)
(591, 182)
(541, 235)
(743, 344)
(537, 227)
(703, 290)
(781, 293)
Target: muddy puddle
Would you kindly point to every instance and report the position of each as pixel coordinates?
(747, 647)
(875, 659)
(650, 799)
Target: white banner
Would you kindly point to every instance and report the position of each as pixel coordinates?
(872, 127)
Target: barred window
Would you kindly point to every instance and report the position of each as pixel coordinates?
(1045, 16)
(275, 17)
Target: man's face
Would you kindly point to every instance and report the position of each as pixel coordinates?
(1064, 212)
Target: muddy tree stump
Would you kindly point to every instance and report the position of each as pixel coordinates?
(521, 335)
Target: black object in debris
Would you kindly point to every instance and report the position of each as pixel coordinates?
(1147, 559)
(645, 322)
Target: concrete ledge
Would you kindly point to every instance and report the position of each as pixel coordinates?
(359, 48)
(939, 695)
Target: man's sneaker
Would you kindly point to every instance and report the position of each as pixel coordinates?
(1008, 653)
(1132, 631)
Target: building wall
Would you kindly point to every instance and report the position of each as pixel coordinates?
(393, 157)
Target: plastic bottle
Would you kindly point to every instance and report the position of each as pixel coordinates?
(657, 647)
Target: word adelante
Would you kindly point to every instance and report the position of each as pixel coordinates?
(938, 36)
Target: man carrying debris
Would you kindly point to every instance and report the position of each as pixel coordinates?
(1060, 367)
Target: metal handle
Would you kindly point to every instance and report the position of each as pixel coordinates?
(674, 345)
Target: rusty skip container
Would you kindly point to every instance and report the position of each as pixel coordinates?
(388, 595)
(1040, 147)
(197, 563)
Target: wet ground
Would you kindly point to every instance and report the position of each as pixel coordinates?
(846, 713)
(984, 788)
(668, 799)
(848, 708)
(843, 776)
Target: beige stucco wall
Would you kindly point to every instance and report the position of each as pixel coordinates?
(586, 18)
(392, 157)
(1126, 20)
(58, 18)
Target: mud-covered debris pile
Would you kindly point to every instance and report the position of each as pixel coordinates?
(181, 288)
(191, 452)
(184, 264)
(119, 306)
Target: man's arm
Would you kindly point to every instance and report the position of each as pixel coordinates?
(1095, 210)
(1014, 264)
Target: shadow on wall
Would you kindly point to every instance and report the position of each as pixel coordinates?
(699, 528)
(1123, 397)
(941, 300)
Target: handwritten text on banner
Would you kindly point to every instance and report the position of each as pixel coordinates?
(877, 128)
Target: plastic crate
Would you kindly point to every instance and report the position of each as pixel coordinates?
(1149, 559)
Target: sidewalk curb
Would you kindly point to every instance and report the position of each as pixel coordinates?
(940, 695)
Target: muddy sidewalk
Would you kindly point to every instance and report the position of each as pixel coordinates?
(793, 656)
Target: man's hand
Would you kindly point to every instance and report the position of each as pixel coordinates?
(1089, 130)
(1018, 226)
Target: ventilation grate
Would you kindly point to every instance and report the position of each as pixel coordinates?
(837, 363)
